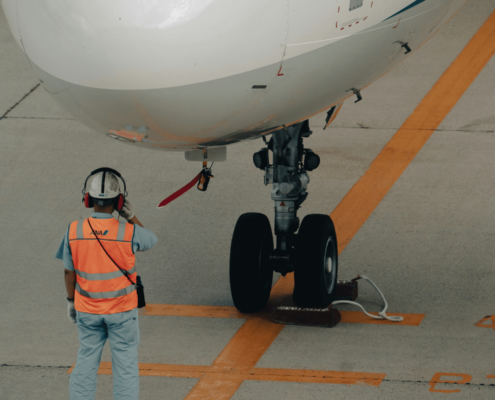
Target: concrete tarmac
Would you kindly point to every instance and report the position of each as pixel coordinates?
(429, 245)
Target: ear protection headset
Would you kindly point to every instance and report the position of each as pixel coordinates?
(117, 201)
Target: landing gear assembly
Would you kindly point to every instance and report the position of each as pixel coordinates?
(311, 253)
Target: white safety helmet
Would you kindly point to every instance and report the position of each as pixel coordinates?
(103, 185)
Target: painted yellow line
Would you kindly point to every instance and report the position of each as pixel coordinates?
(241, 354)
(254, 374)
(312, 376)
(178, 310)
(358, 317)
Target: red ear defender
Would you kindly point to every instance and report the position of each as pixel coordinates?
(86, 200)
(120, 203)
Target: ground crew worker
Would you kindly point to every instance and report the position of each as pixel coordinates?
(101, 300)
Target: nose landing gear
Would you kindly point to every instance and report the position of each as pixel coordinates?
(311, 254)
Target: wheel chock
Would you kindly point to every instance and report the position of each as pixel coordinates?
(324, 317)
(347, 290)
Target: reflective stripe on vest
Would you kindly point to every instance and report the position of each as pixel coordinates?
(101, 288)
(106, 295)
(103, 277)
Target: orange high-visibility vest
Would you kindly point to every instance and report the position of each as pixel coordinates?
(101, 288)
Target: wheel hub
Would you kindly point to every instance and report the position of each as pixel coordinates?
(329, 265)
(329, 270)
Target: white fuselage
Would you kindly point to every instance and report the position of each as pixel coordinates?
(189, 74)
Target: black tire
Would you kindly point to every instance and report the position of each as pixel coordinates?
(316, 246)
(250, 271)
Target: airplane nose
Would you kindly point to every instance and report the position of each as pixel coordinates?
(129, 45)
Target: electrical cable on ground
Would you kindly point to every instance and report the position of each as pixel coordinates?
(382, 314)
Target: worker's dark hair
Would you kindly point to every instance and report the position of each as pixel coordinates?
(105, 202)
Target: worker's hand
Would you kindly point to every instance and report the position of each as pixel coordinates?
(126, 211)
(71, 311)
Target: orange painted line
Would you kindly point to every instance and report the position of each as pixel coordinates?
(177, 310)
(172, 370)
(368, 192)
(177, 371)
(215, 387)
(357, 317)
(248, 345)
(465, 378)
(490, 376)
(311, 376)
(163, 373)
(241, 354)
(254, 374)
(483, 322)
(191, 371)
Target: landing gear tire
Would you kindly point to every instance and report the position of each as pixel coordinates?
(250, 271)
(316, 268)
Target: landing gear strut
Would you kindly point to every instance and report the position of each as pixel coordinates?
(311, 254)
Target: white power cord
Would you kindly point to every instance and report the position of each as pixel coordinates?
(382, 314)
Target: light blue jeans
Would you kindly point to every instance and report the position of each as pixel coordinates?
(123, 331)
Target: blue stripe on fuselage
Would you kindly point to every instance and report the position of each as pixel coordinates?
(413, 4)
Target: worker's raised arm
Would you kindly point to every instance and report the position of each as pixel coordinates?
(129, 215)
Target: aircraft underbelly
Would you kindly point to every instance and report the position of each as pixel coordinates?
(246, 105)
(138, 45)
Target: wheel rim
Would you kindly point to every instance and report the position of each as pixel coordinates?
(330, 265)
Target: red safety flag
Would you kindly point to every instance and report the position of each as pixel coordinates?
(179, 192)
